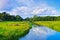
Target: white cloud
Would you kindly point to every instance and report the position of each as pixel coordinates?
(27, 12)
(20, 11)
(31, 8)
(38, 10)
(44, 9)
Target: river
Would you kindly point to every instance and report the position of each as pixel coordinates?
(41, 33)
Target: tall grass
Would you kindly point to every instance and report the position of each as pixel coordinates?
(51, 24)
(13, 30)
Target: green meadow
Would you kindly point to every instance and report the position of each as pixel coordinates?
(13, 30)
(55, 25)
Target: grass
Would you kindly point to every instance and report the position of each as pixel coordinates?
(10, 30)
(13, 30)
(51, 24)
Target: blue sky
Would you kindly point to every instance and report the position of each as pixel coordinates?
(28, 8)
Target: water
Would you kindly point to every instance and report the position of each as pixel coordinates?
(41, 33)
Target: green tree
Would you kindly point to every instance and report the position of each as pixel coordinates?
(18, 18)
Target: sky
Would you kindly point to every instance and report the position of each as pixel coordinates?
(29, 8)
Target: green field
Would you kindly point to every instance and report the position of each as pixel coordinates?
(51, 24)
(10, 30)
(13, 30)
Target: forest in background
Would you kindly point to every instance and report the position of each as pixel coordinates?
(7, 17)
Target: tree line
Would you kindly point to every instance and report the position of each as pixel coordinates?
(7, 17)
(43, 18)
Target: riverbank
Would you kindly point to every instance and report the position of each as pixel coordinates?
(13, 30)
(51, 24)
(41, 33)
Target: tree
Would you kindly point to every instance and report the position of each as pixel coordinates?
(27, 19)
(35, 18)
(18, 18)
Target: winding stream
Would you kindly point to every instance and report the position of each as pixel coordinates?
(41, 33)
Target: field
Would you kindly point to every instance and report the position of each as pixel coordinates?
(51, 24)
(13, 30)
(10, 30)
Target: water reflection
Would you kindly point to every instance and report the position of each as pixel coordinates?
(56, 36)
(41, 33)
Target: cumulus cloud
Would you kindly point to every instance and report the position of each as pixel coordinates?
(20, 10)
(26, 11)
(31, 8)
(39, 8)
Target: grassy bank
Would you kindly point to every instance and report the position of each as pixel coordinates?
(51, 24)
(13, 30)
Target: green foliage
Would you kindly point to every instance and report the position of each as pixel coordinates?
(45, 18)
(18, 18)
(6, 17)
(13, 30)
(27, 19)
(51, 24)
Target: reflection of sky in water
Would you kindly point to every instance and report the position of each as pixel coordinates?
(56, 36)
(42, 33)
